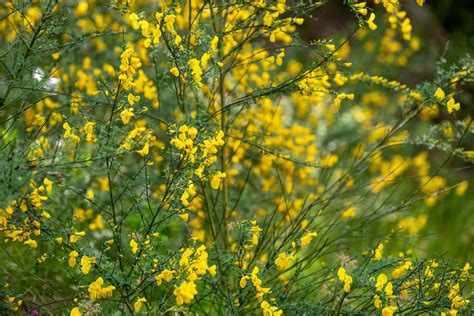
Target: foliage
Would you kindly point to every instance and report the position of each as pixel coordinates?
(201, 157)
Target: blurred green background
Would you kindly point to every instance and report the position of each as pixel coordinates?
(446, 31)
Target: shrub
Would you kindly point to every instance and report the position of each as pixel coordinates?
(200, 157)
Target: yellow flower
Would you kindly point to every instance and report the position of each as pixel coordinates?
(389, 310)
(81, 8)
(89, 130)
(299, 21)
(370, 22)
(361, 8)
(216, 180)
(104, 184)
(133, 246)
(469, 154)
(212, 270)
(338, 99)
(132, 99)
(283, 260)
(192, 132)
(401, 270)
(138, 304)
(86, 264)
(75, 312)
(306, 239)
(347, 283)
(174, 71)
(389, 289)
(349, 213)
(243, 281)
(461, 188)
(72, 258)
(184, 198)
(49, 184)
(97, 224)
(185, 292)
(381, 280)
(439, 94)
(75, 237)
(145, 150)
(126, 115)
(96, 291)
(196, 70)
(329, 161)
(378, 252)
(204, 60)
(269, 310)
(214, 42)
(377, 301)
(341, 273)
(68, 134)
(345, 278)
(134, 19)
(184, 217)
(166, 275)
(169, 21)
(32, 243)
(452, 105)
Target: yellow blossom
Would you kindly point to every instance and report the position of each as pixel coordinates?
(439, 94)
(166, 275)
(243, 281)
(89, 130)
(184, 217)
(185, 292)
(49, 184)
(138, 304)
(389, 289)
(306, 239)
(345, 278)
(97, 291)
(381, 280)
(133, 246)
(377, 301)
(75, 312)
(269, 310)
(389, 310)
(216, 180)
(97, 224)
(145, 150)
(370, 22)
(72, 258)
(75, 236)
(283, 260)
(132, 99)
(126, 115)
(462, 187)
(134, 19)
(350, 212)
(81, 8)
(175, 71)
(452, 105)
(32, 243)
(86, 264)
(378, 252)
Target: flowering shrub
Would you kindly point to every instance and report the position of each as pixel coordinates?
(182, 157)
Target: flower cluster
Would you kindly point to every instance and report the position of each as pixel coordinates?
(97, 290)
